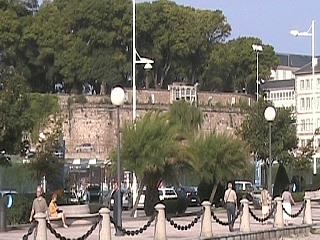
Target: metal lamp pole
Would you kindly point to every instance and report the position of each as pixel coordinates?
(311, 33)
(134, 87)
(257, 49)
(270, 114)
(117, 99)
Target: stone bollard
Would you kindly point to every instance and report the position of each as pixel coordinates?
(307, 216)
(42, 226)
(160, 229)
(245, 217)
(105, 233)
(278, 218)
(206, 224)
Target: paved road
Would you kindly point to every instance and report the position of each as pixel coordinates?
(172, 233)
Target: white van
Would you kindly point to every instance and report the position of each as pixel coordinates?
(167, 193)
(243, 186)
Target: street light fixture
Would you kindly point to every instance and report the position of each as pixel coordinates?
(148, 65)
(117, 99)
(257, 49)
(269, 115)
(140, 60)
(314, 61)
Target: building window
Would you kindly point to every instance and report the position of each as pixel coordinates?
(307, 84)
(308, 103)
(303, 143)
(318, 83)
(302, 84)
(308, 125)
(302, 103)
(303, 125)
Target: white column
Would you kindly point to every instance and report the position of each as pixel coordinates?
(105, 232)
(278, 218)
(42, 227)
(206, 224)
(160, 228)
(307, 216)
(245, 217)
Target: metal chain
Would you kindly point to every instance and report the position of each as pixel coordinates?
(133, 232)
(34, 224)
(85, 236)
(227, 223)
(296, 214)
(265, 218)
(188, 226)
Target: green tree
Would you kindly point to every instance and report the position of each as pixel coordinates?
(177, 38)
(13, 104)
(46, 163)
(80, 41)
(148, 149)
(255, 131)
(217, 158)
(186, 117)
(232, 66)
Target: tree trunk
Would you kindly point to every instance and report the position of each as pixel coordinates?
(213, 192)
(151, 199)
(135, 206)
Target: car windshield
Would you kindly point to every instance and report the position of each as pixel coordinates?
(170, 192)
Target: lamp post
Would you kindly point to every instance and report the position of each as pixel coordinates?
(314, 61)
(257, 49)
(147, 66)
(141, 60)
(269, 115)
(117, 99)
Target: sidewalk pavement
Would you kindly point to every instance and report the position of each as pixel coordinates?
(172, 233)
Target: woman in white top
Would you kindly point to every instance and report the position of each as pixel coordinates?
(287, 202)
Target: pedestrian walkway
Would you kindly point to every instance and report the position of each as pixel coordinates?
(172, 233)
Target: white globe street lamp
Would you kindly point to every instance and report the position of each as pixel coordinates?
(117, 99)
(269, 115)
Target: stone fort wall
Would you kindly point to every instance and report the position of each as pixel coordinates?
(94, 122)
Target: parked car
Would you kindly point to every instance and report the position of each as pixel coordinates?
(127, 200)
(94, 193)
(191, 195)
(167, 193)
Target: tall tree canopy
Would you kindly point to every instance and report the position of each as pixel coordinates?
(81, 41)
(255, 132)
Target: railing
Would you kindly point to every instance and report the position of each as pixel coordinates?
(104, 221)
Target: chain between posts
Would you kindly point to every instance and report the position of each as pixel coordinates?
(296, 214)
(227, 223)
(85, 236)
(30, 230)
(265, 218)
(134, 232)
(188, 226)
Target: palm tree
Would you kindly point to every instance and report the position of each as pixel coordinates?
(186, 117)
(217, 158)
(148, 149)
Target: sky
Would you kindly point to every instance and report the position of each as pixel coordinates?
(269, 20)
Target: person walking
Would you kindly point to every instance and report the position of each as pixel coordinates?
(287, 203)
(55, 212)
(230, 198)
(265, 202)
(39, 205)
(116, 208)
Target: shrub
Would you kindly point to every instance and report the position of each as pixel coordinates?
(298, 196)
(20, 211)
